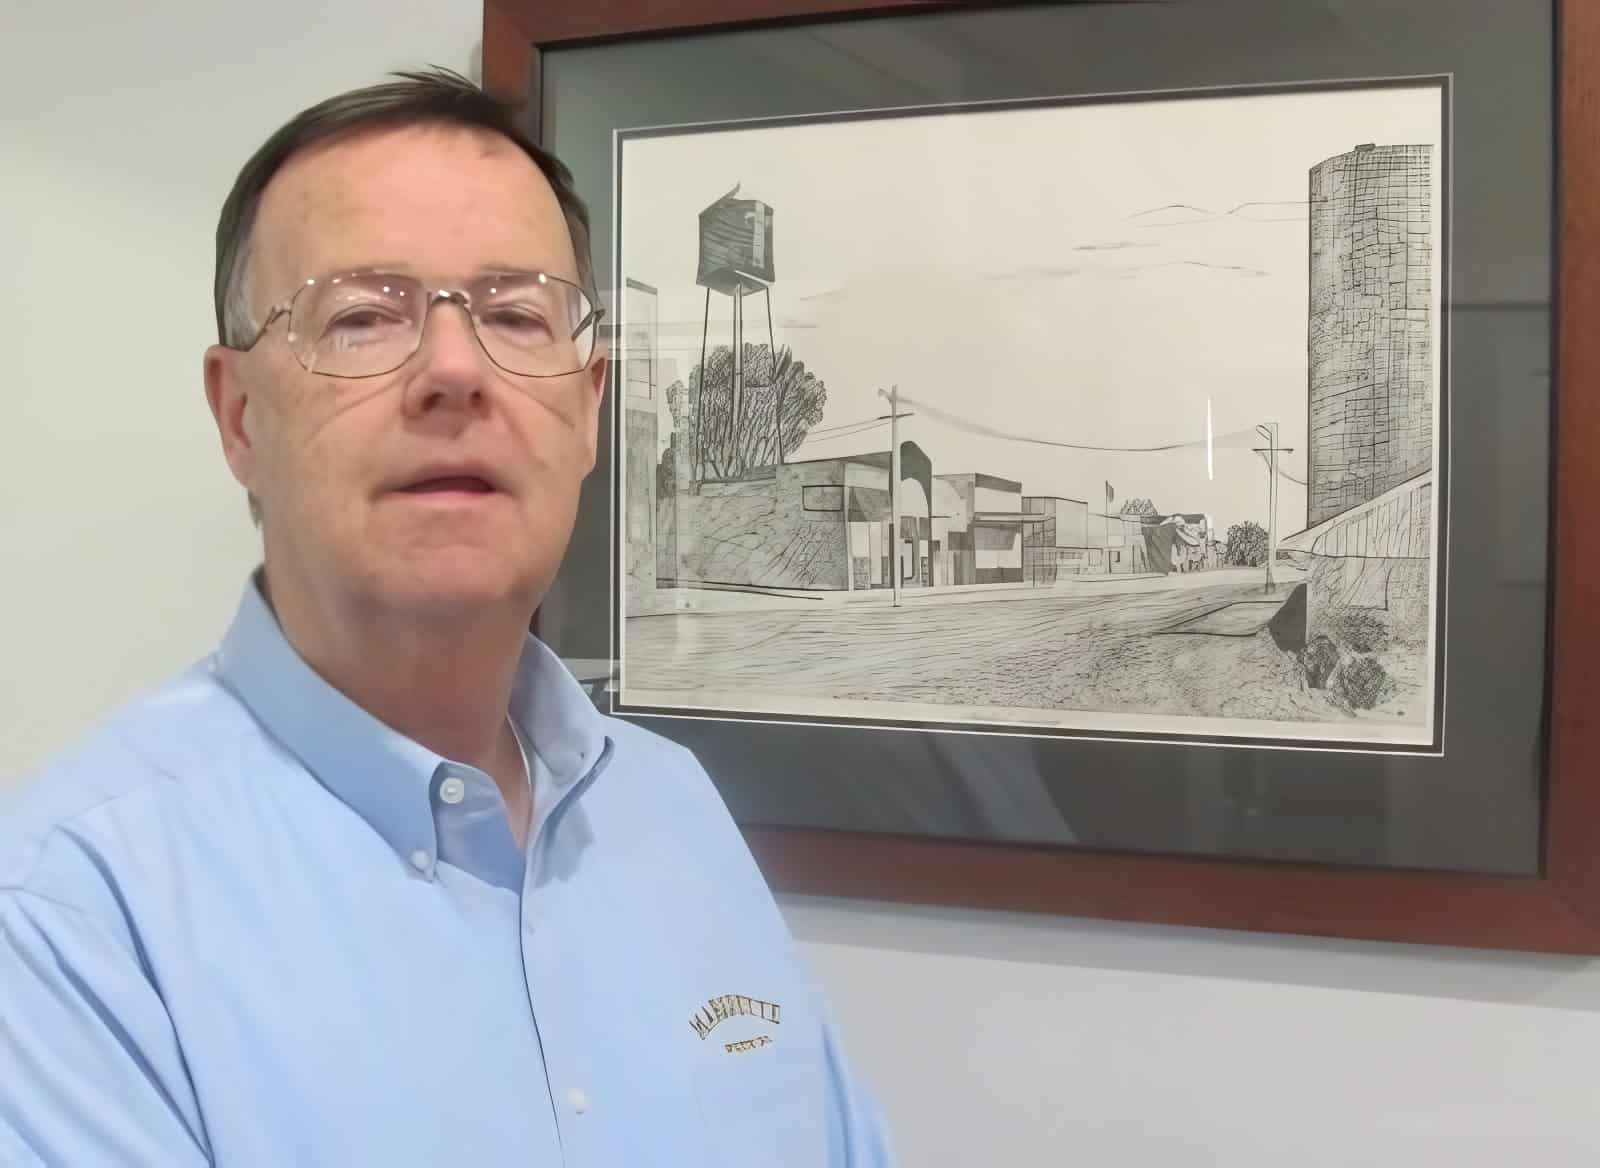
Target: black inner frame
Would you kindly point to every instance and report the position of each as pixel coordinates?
(1475, 809)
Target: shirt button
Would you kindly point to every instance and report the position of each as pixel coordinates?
(419, 860)
(452, 790)
(577, 1100)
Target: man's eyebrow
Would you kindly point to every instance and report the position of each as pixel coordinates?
(339, 271)
(405, 268)
(491, 271)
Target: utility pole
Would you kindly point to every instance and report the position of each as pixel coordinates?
(736, 377)
(1269, 431)
(894, 487)
(697, 463)
(777, 395)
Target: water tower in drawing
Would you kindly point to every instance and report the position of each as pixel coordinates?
(735, 262)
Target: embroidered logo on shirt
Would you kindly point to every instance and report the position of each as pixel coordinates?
(719, 1009)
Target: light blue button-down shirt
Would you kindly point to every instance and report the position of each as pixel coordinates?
(245, 923)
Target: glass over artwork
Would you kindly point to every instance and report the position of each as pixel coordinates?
(1105, 415)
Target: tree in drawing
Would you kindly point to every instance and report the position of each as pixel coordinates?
(1246, 546)
(779, 403)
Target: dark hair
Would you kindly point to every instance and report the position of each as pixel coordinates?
(437, 96)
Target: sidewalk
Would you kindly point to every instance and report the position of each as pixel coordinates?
(703, 598)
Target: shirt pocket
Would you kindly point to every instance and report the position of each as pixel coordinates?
(764, 1106)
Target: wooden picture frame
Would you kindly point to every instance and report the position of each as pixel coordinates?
(1557, 910)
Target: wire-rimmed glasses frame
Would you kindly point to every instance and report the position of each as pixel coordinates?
(368, 323)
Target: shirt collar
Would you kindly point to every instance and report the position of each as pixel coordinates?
(382, 775)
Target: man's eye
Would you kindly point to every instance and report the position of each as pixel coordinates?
(364, 318)
(521, 321)
(363, 326)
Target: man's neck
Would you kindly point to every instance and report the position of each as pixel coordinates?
(445, 683)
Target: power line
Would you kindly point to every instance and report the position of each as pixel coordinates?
(1231, 438)
(833, 437)
(1234, 438)
(853, 427)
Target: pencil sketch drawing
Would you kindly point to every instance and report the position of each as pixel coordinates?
(1094, 416)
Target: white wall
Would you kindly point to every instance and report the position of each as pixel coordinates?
(121, 128)
(1012, 1040)
(993, 1039)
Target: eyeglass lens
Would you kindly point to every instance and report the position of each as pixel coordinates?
(364, 324)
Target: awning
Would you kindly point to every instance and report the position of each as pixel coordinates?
(868, 505)
(1010, 517)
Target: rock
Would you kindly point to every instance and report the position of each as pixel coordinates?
(1320, 659)
(1362, 683)
(1363, 630)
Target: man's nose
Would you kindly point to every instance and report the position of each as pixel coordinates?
(451, 364)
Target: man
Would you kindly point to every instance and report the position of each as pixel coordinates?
(375, 883)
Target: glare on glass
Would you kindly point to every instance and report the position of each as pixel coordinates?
(362, 324)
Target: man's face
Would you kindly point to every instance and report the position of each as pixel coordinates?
(372, 489)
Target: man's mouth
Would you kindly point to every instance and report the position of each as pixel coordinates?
(467, 484)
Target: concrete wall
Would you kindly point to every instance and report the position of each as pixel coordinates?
(1398, 527)
(1368, 600)
(760, 533)
(639, 509)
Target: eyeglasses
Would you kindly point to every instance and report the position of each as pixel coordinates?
(364, 324)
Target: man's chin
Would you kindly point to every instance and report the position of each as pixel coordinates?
(458, 588)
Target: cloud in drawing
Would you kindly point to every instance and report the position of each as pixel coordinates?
(1236, 269)
(1041, 272)
(1125, 272)
(1117, 245)
(1256, 211)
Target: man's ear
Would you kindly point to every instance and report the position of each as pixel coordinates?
(228, 398)
(598, 371)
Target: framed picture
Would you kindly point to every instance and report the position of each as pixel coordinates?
(1114, 460)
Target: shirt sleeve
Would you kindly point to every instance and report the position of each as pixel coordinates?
(860, 1135)
(90, 1067)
